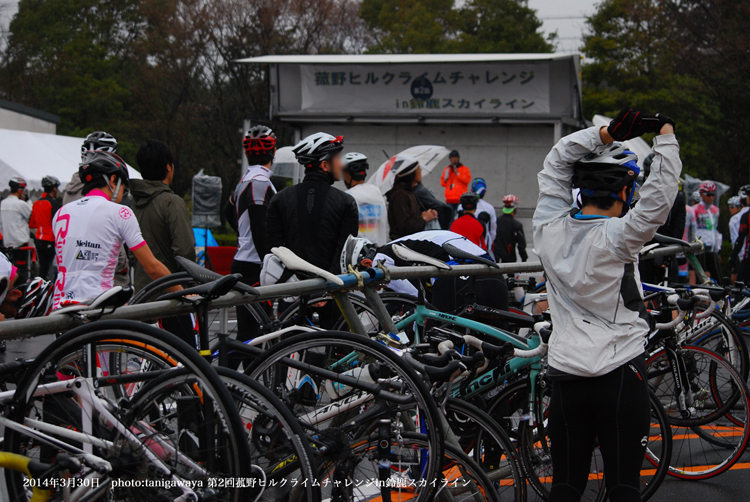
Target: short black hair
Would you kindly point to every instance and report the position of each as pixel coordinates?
(258, 160)
(50, 189)
(604, 203)
(408, 178)
(97, 182)
(153, 158)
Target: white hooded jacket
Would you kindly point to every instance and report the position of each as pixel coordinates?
(591, 264)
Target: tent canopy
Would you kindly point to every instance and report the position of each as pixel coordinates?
(33, 155)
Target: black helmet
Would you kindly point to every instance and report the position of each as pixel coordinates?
(604, 174)
(316, 148)
(105, 164)
(17, 183)
(356, 165)
(647, 164)
(744, 192)
(99, 140)
(469, 201)
(50, 182)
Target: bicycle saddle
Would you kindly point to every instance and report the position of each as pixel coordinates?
(214, 289)
(203, 275)
(111, 299)
(412, 256)
(460, 254)
(294, 262)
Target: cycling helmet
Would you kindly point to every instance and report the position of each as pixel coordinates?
(734, 201)
(510, 203)
(37, 299)
(604, 174)
(17, 183)
(97, 163)
(50, 182)
(479, 187)
(744, 192)
(404, 165)
(707, 188)
(357, 252)
(259, 140)
(356, 165)
(316, 148)
(101, 141)
(469, 201)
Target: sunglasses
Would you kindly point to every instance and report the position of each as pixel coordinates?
(709, 194)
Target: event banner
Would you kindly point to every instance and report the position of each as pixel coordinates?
(445, 88)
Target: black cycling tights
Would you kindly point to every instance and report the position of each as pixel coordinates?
(612, 411)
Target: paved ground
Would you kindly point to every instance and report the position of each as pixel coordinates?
(733, 486)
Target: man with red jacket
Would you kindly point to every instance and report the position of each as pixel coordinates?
(455, 178)
(42, 214)
(467, 224)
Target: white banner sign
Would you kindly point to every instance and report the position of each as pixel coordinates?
(449, 88)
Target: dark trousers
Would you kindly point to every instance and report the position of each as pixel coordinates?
(613, 409)
(247, 325)
(710, 263)
(45, 252)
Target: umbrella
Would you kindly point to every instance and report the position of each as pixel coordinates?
(428, 157)
(285, 165)
(691, 185)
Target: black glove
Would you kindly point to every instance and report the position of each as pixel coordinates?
(631, 123)
(663, 119)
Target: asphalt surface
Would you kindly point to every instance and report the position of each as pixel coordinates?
(732, 486)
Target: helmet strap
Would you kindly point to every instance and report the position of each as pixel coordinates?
(116, 190)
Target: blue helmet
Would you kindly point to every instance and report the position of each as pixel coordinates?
(479, 187)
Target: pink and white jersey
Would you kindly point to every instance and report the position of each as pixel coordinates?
(89, 233)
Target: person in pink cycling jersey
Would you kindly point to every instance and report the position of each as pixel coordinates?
(89, 233)
(706, 227)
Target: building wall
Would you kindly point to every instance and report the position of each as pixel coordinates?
(21, 122)
(508, 157)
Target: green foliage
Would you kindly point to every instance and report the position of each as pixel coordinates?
(631, 62)
(437, 26)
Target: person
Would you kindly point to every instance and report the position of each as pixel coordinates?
(455, 178)
(510, 234)
(467, 223)
(734, 206)
(161, 214)
(706, 227)
(90, 232)
(246, 212)
(685, 272)
(485, 211)
(311, 218)
(99, 141)
(15, 212)
(740, 260)
(734, 222)
(448, 293)
(9, 296)
(653, 270)
(590, 257)
(405, 216)
(42, 214)
(427, 200)
(373, 213)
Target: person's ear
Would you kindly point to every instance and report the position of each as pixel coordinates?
(624, 193)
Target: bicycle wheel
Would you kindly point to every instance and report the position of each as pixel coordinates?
(488, 445)
(188, 432)
(536, 455)
(712, 438)
(723, 337)
(338, 413)
(400, 478)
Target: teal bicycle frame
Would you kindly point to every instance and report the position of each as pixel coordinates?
(494, 377)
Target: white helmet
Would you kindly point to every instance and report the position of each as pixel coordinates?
(352, 157)
(317, 147)
(404, 165)
(355, 250)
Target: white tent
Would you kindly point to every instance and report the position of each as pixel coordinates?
(33, 155)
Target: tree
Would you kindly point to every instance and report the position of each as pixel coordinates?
(632, 63)
(435, 26)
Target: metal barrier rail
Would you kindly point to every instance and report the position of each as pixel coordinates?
(23, 328)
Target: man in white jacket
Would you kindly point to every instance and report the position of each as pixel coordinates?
(373, 213)
(590, 257)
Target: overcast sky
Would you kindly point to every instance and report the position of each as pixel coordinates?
(567, 17)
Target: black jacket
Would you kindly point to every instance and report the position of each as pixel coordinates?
(404, 213)
(427, 200)
(313, 219)
(509, 235)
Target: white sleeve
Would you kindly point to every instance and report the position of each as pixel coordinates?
(555, 180)
(734, 229)
(130, 230)
(627, 235)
